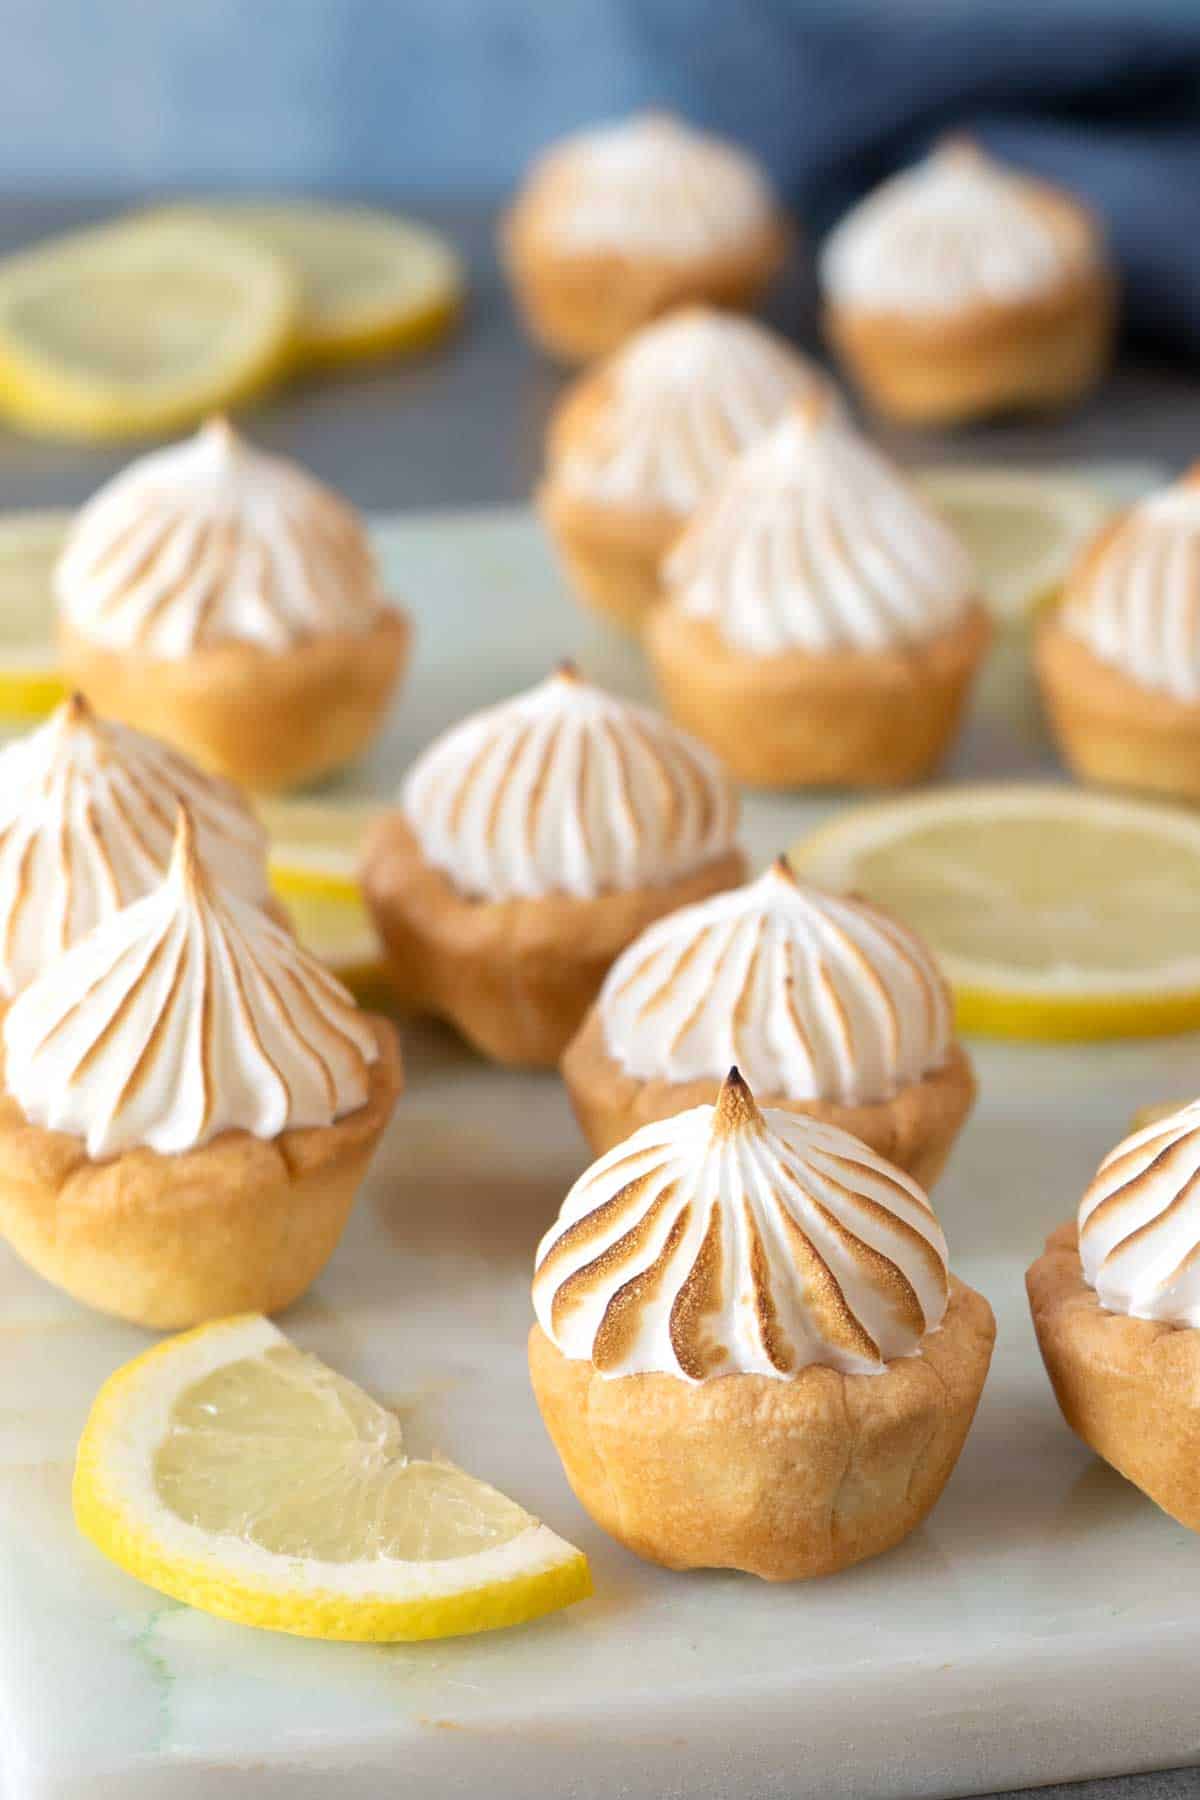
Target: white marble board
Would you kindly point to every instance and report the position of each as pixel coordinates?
(1044, 1625)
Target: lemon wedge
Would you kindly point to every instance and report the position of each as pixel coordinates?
(235, 1472)
(1056, 914)
(30, 683)
(338, 930)
(1023, 529)
(316, 845)
(372, 282)
(315, 850)
(140, 327)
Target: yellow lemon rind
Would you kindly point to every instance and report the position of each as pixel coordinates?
(1071, 1018)
(108, 1524)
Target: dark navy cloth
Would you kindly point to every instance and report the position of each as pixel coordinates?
(1102, 96)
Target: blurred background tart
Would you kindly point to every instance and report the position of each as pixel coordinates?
(829, 1007)
(227, 602)
(749, 1351)
(532, 842)
(964, 287)
(615, 225)
(637, 444)
(1119, 659)
(821, 622)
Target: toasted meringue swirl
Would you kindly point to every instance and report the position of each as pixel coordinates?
(815, 542)
(1139, 1223)
(187, 1014)
(567, 789)
(648, 184)
(1134, 596)
(813, 996)
(87, 820)
(957, 230)
(211, 542)
(729, 1241)
(676, 405)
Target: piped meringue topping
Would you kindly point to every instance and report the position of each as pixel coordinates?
(186, 1014)
(1139, 1223)
(87, 820)
(814, 996)
(957, 229)
(1134, 596)
(211, 542)
(648, 184)
(727, 1241)
(680, 401)
(815, 542)
(567, 789)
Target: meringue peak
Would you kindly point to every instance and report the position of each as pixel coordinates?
(660, 424)
(88, 813)
(816, 543)
(736, 1109)
(729, 1240)
(567, 788)
(957, 229)
(649, 183)
(814, 996)
(212, 541)
(186, 1014)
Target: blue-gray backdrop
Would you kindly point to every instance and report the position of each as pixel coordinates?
(391, 97)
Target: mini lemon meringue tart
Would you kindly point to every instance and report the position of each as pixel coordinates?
(962, 287)
(749, 1351)
(1118, 660)
(225, 601)
(636, 445)
(828, 1006)
(821, 624)
(190, 1103)
(1115, 1299)
(88, 812)
(618, 224)
(533, 841)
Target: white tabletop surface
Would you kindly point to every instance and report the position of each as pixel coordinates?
(1043, 1625)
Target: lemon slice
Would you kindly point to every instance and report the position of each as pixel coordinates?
(233, 1471)
(338, 930)
(139, 327)
(1022, 528)
(372, 282)
(316, 845)
(30, 683)
(315, 851)
(1056, 914)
